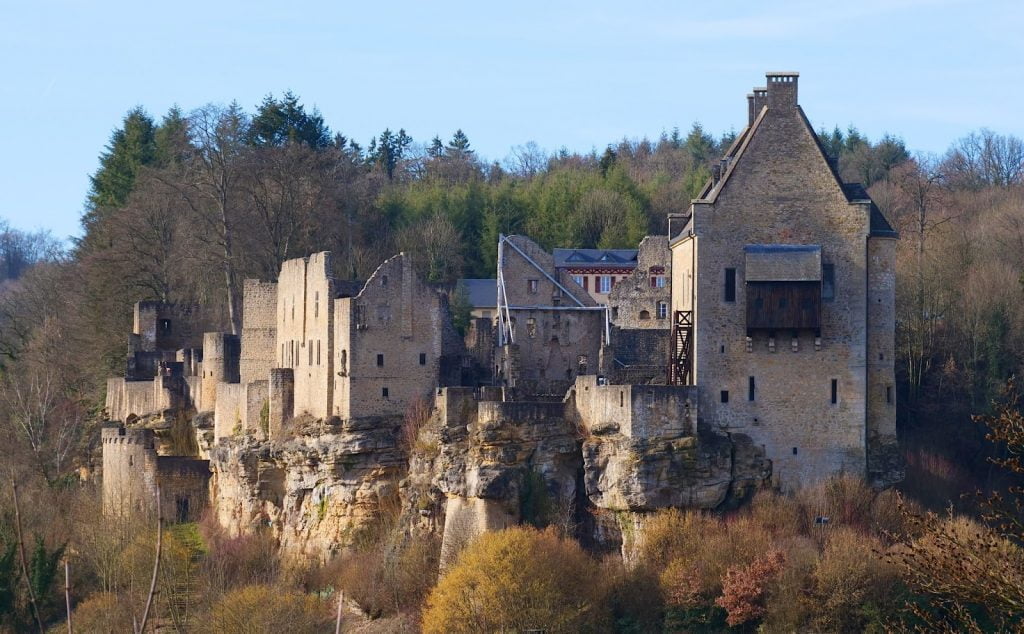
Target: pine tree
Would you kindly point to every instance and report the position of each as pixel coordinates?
(130, 148)
(458, 147)
(279, 122)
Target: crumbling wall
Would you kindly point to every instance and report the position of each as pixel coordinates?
(125, 398)
(259, 330)
(637, 301)
(230, 410)
(390, 343)
(551, 348)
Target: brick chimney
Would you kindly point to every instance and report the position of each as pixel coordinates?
(782, 89)
(755, 101)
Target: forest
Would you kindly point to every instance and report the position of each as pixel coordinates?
(185, 207)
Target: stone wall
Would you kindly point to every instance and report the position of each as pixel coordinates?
(635, 411)
(635, 300)
(230, 410)
(126, 398)
(305, 296)
(132, 471)
(552, 346)
(884, 463)
(221, 356)
(259, 330)
(524, 260)
(280, 399)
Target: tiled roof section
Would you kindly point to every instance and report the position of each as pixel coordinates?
(481, 293)
(782, 263)
(595, 258)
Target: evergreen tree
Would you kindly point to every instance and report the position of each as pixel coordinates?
(458, 147)
(699, 144)
(387, 151)
(130, 148)
(436, 148)
(281, 121)
(171, 144)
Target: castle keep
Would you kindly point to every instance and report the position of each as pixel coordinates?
(783, 300)
(752, 345)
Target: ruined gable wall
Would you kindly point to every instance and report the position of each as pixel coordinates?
(259, 330)
(518, 271)
(401, 318)
(634, 294)
(125, 398)
(782, 191)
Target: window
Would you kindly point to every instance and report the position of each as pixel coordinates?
(794, 451)
(531, 327)
(578, 279)
(165, 327)
(888, 394)
(750, 389)
(293, 308)
(835, 391)
(730, 285)
(380, 361)
(828, 282)
(605, 284)
(383, 280)
(316, 305)
(384, 392)
(318, 352)
(423, 358)
(662, 310)
(586, 283)
(725, 396)
(531, 286)
(645, 314)
(658, 281)
(310, 352)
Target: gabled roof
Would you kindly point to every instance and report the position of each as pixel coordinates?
(855, 192)
(595, 258)
(481, 293)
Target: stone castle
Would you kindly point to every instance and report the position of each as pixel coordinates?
(751, 346)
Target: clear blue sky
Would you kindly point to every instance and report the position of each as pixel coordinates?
(573, 74)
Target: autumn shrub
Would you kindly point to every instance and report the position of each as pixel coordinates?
(845, 500)
(745, 588)
(236, 560)
(519, 579)
(854, 587)
(101, 613)
(672, 534)
(257, 609)
(389, 577)
(969, 574)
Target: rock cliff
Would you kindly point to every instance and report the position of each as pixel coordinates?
(475, 465)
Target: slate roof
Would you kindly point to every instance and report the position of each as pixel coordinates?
(782, 263)
(595, 258)
(481, 293)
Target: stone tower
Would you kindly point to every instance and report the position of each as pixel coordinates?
(782, 299)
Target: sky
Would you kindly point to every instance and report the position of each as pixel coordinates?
(578, 75)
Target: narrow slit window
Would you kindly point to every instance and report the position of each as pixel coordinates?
(380, 361)
(888, 394)
(310, 352)
(318, 352)
(725, 396)
(384, 392)
(828, 282)
(730, 285)
(423, 358)
(835, 391)
(750, 388)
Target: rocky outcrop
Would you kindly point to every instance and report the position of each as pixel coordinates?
(313, 492)
(594, 464)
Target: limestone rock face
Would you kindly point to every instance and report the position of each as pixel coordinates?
(313, 493)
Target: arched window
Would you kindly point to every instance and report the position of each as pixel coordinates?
(644, 314)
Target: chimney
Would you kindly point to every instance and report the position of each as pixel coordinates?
(782, 89)
(757, 101)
